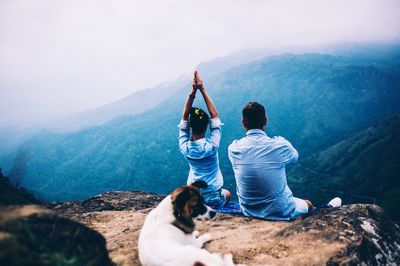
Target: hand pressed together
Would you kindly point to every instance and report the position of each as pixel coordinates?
(197, 82)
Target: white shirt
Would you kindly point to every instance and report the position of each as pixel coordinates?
(259, 162)
(202, 155)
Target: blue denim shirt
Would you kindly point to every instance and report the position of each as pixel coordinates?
(202, 155)
(259, 162)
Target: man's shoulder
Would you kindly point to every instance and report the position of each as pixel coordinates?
(276, 140)
(237, 143)
(281, 141)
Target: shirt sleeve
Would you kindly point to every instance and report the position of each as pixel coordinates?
(184, 134)
(215, 128)
(230, 151)
(288, 153)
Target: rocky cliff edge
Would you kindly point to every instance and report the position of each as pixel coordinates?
(349, 235)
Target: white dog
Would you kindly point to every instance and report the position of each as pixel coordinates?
(168, 237)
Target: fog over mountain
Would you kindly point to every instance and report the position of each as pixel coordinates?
(63, 57)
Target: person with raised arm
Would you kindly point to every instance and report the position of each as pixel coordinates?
(201, 152)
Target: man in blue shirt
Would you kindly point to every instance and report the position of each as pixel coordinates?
(259, 162)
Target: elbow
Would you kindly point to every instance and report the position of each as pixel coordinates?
(181, 148)
(296, 155)
(216, 145)
(214, 114)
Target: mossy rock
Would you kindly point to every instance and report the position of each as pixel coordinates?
(43, 238)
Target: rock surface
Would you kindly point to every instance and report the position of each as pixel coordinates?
(349, 235)
(110, 201)
(31, 235)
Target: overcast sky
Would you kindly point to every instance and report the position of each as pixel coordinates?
(59, 57)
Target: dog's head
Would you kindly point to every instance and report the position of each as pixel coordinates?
(188, 204)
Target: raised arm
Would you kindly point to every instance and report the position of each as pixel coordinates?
(215, 122)
(184, 128)
(210, 105)
(189, 104)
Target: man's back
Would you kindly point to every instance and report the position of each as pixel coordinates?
(259, 165)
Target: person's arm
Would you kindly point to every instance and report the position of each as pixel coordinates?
(184, 127)
(189, 104)
(210, 104)
(184, 135)
(294, 155)
(215, 122)
(287, 153)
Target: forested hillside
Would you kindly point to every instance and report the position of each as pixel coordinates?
(313, 100)
(12, 195)
(364, 169)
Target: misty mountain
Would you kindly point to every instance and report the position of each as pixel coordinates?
(363, 168)
(138, 102)
(143, 100)
(135, 103)
(313, 100)
(10, 139)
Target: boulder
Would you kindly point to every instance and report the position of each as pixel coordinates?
(31, 235)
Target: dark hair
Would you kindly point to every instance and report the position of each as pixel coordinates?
(198, 120)
(253, 115)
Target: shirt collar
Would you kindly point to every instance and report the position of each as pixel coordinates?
(255, 132)
(198, 142)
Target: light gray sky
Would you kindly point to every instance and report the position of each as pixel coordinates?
(64, 56)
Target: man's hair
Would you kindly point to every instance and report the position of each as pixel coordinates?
(253, 115)
(198, 120)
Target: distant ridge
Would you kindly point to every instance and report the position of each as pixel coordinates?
(135, 103)
(364, 168)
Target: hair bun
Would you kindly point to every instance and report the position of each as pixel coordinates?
(191, 111)
(198, 120)
(196, 111)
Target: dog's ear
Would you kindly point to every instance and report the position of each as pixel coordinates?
(180, 197)
(200, 184)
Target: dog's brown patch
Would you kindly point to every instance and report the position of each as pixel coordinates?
(183, 201)
(198, 264)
